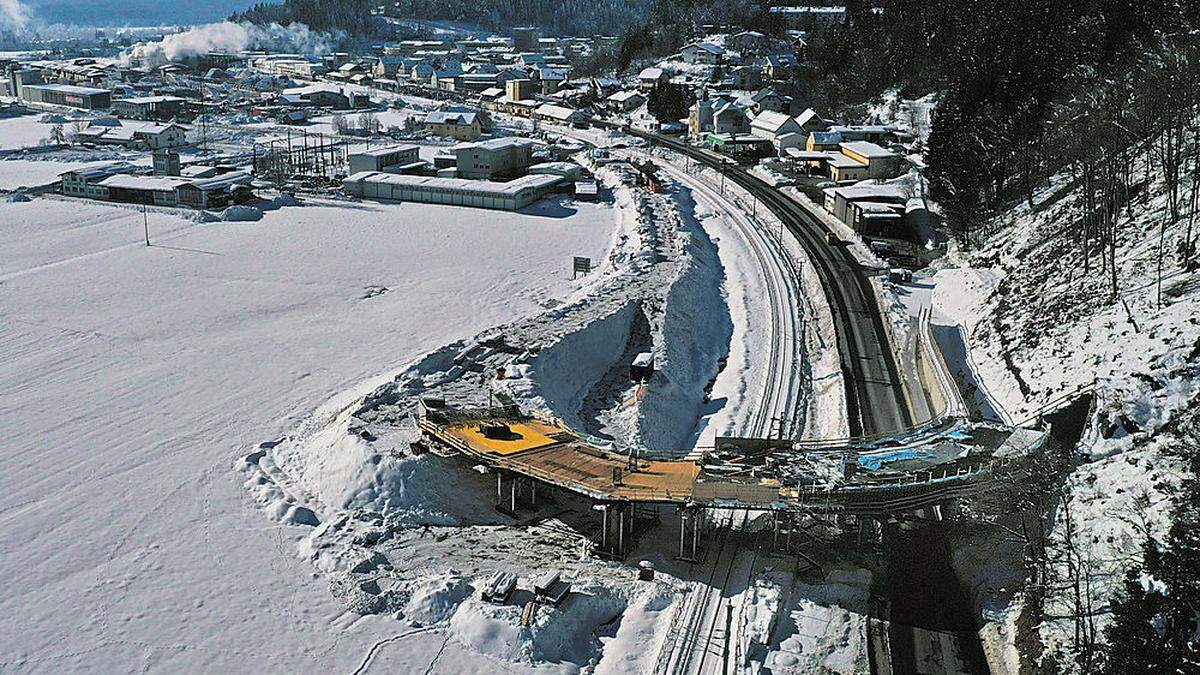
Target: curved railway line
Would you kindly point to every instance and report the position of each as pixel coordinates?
(874, 396)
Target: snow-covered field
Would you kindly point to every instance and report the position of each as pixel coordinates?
(133, 377)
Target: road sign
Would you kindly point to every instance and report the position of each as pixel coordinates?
(582, 265)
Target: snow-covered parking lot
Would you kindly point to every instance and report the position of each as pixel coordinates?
(132, 377)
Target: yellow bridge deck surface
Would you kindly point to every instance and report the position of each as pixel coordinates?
(526, 435)
(553, 454)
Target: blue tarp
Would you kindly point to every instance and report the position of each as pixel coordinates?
(874, 461)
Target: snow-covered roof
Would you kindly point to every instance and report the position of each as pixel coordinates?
(483, 187)
(150, 100)
(97, 169)
(771, 121)
(69, 89)
(383, 152)
(807, 116)
(867, 149)
(147, 183)
(651, 74)
(622, 96)
(451, 117)
(557, 112)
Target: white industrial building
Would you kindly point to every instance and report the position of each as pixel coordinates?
(393, 159)
(498, 157)
(509, 196)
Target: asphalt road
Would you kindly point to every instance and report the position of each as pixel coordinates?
(874, 396)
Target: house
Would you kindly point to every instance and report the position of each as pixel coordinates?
(773, 125)
(838, 200)
(148, 107)
(458, 123)
(496, 158)
(745, 77)
(729, 118)
(603, 86)
(519, 90)
(551, 79)
(650, 78)
(139, 135)
(624, 101)
(770, 100)
(705, 53)
(746, 41)
(879, 162)
(873, 133)
(824, 141)
(388, 67)
(556, 113)
(778, 66)
(810, 122)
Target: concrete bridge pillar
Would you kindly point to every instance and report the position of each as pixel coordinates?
(616, 528)
(691, 518)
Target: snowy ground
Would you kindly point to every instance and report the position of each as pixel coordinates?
(137, 376)
(1037, 328)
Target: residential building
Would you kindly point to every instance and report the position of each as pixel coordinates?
(705, 53)
(460, 124)
(650, 78)
(879, 162)
(624, 101)
(773, 126)
(519, 90)
(138, 135)
(838, 200)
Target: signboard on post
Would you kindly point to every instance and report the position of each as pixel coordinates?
(581, 266)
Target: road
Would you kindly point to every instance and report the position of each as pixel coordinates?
(874, 396)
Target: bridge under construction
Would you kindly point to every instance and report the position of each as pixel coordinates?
(871, 479)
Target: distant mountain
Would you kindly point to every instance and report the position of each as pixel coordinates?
(133, 12)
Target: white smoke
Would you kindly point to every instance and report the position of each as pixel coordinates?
(229, 37)
(13, 14)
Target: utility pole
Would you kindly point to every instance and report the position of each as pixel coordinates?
(146, 223)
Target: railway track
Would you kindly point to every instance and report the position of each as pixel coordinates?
(874, 397)
(781, 382)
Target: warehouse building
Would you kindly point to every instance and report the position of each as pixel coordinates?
(84, 181)
(510, 196)
(495, 158)
(69, 95)
(148, 107)
(393, 159)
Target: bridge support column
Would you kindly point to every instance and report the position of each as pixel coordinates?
(782, 525)
(616, 529)
(690, 521)
(512, 491)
